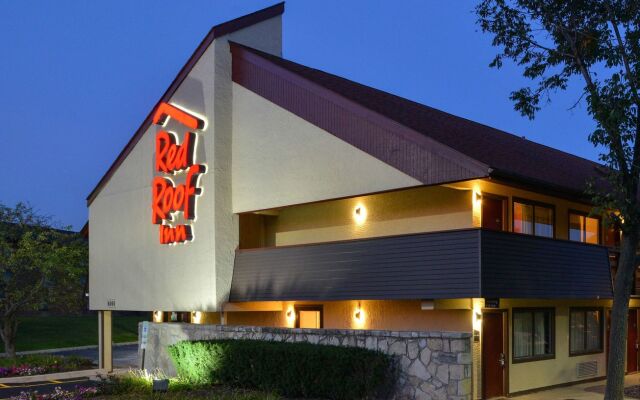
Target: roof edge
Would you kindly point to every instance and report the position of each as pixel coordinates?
(217, 31)
(252, 55)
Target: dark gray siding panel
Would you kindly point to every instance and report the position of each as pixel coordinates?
(421, 266)
(521, 266)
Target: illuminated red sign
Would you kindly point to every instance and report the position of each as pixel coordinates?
(174, 159)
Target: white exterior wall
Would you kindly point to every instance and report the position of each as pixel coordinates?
(280, 159)
(127, 262)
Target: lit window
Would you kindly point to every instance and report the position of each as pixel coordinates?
(309, 317)
(584, 229)
(533, 336)
(585, 331)
(533, 219)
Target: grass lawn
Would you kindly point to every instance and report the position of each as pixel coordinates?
(39, 333)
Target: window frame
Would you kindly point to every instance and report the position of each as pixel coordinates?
(586, 215)
(313, 307)
(600, 329)
(532, 203)
(552, 337)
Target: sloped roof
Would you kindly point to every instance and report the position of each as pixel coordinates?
(509, 156)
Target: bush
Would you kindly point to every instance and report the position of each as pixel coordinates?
(288, 369)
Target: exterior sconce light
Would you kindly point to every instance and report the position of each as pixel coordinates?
(477, 197)
(157, 316)
(360, 214)
(358, 315)
(291, 315)
(196, 317)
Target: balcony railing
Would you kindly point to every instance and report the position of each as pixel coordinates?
(449, 264)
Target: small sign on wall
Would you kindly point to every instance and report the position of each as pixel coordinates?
(144, 335)
(491, 303)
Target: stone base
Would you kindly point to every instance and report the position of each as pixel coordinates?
(432, 365)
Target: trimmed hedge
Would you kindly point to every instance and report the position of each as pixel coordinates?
(288, 369)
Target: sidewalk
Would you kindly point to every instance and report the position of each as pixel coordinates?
(586, 391)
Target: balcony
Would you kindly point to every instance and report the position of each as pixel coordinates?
(450, 264)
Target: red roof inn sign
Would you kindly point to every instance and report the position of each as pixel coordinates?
(175, 160)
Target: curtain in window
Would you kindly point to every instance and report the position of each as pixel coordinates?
(522, 329)
(541, 331)
(544, 221)
(576, 227)
(523, 218)
(576, 330)
(593, 333)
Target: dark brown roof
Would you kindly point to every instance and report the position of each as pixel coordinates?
(218, 30)
(509, 156)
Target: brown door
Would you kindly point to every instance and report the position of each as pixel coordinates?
(632, 341)
(494, 359)
(493, 213)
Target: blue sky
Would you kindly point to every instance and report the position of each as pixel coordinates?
(78, 77)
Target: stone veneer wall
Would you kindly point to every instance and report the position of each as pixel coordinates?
(432, 365)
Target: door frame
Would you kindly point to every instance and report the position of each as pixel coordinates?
(607, 332)
(505, 347)
(637, 311)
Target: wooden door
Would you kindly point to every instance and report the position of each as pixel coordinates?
(632, 341)
(493, 214)
(494, 355)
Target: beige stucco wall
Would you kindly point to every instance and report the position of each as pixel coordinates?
(127, 262)
(414, 210)
(280, 159)
(397, 315)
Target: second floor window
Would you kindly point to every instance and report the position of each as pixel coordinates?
(533, 219)
(583, 228)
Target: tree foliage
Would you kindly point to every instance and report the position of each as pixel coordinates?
(595, 44)
(40, 266)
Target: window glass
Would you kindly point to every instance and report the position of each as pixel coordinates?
(522, 218)
(585, 330)
(544, 221)
(532, 219)
(584, 229)
(532, 334)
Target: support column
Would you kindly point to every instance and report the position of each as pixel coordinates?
(105, 341)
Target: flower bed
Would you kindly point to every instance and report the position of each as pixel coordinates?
(79, 393)
(39, 364)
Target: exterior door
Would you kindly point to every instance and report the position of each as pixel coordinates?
(632, 341)
(493, 214)
(494, 355)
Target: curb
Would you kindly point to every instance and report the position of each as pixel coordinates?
(54, 377)
(48, 351)
(87, 373)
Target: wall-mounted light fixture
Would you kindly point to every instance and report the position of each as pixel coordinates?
(358, 315)
(196, 317)
(360, 214)
(157, 316)
(291, 315)
(477, 197)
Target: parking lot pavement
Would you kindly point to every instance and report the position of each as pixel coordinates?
(14, 389)
(125, 356)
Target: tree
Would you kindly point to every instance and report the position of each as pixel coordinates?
(594, 43)
(39, 265)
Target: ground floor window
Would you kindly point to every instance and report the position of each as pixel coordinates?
(585, 331)
(309, 317)
(533, 334)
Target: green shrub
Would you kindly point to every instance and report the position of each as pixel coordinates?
(288, 369)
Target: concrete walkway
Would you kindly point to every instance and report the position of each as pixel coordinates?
(585, 391)
(124, 356)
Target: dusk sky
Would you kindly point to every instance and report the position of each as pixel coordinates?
(77, 78)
